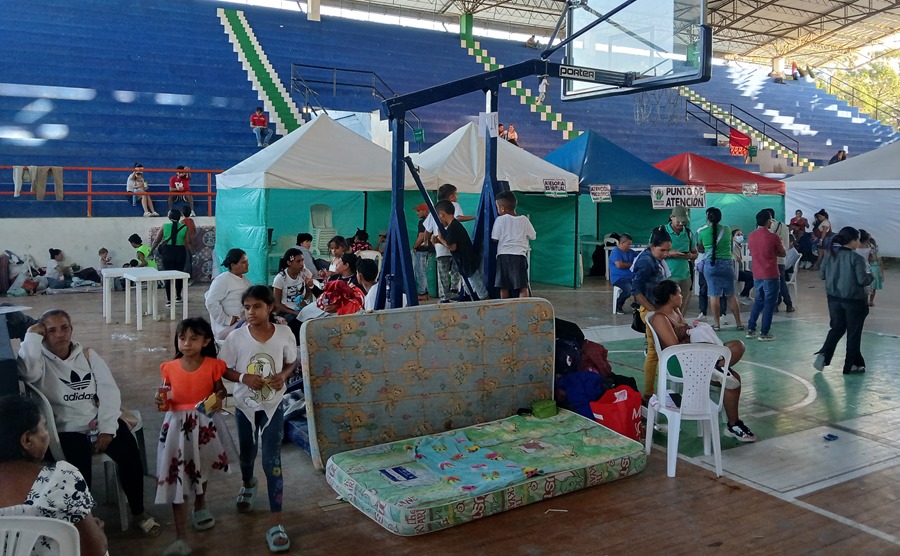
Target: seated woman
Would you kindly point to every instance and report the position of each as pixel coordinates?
(671, 328)
(32, 488)
(223, 299)
(59, 274)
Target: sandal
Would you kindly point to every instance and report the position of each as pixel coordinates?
(178, 548)
(277, 533)
(245, 498)
(739, 327)
(148, 525)
(202, 519)
(716, 327)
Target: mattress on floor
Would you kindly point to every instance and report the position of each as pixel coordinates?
(481, 470)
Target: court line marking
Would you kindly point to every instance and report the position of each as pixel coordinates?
(790, 499)
(811, 392)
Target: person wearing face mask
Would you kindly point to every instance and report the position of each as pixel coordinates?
(745, 276)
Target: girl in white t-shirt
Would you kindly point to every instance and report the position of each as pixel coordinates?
(260, 357)
(293, 287)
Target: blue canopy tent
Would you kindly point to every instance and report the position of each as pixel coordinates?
(598, 161)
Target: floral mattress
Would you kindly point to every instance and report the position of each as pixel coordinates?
(432, 482)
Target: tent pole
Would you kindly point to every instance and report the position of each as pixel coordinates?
(365, 210)
(577, 243)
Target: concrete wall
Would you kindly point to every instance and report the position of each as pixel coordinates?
(79, 238)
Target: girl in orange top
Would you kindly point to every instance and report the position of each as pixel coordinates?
(191, 445)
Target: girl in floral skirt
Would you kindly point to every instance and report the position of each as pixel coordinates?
(191, 444)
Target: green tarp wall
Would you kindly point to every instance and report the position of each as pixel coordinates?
(243, 217)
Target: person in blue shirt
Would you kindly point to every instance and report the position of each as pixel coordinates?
(649, 270)
(620, 274)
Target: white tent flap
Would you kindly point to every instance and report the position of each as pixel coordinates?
(863, 192)
(459, 159)
(322, 155)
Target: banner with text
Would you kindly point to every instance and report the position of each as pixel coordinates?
(554, 188)
(601, 193)
(670, 196)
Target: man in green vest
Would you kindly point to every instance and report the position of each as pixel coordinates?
(684, 250)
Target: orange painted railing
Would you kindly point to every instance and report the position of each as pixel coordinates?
(90, 182)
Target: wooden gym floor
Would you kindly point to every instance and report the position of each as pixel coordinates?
(792, 492)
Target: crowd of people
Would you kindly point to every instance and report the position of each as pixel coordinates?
(251, 337)
(660, 279)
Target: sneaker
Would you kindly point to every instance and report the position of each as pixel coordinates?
(146, 214)
(751, 334)
(154, 214)
(701, 317)
(178, 300)
(855, 370)
(445, 301)
(745, 300)
(819, 363)
(765, 338)
(620, 311)
(790, 309)
(740, 431)
(259, 144)
(193, 214)
(168, 303)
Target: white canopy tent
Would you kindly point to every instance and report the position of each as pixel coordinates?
(863, 192)
(459, 159)
(268, 195)
(321, 155)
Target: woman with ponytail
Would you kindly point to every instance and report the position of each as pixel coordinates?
(718, 267)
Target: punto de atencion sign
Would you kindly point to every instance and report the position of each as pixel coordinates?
(671, 196)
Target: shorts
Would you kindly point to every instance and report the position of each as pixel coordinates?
(512, 272)
(719, 278)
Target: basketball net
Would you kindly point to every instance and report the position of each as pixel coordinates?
(662, 105)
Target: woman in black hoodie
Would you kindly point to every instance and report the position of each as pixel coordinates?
(846, 278)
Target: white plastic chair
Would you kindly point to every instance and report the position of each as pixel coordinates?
(20, 534)
(697, 361)
(370, 254)
(616, 292)
(793, 280)
(114, 490)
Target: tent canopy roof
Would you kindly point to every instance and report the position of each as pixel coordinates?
(694, 169)
(459, 159)
(878, 169)
(320, 155)
(599, 161)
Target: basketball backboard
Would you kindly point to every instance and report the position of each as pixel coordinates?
(663, 42)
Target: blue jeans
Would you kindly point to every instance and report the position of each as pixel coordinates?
(477, 281)
(272, 437)
(420, 265)
(258, 131)
(766, 297)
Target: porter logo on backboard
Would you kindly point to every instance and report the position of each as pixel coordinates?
(671, 196)
(577, 73)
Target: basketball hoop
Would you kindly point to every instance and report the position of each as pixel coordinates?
(662, 105)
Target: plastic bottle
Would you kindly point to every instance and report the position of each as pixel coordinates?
(93, 431)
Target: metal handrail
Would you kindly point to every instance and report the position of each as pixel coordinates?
(384, 92)
(90, 193)
(884, 112)
(754, 122)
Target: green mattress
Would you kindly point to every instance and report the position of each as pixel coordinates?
(428, 483)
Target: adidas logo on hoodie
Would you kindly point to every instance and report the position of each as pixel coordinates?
(77, 383)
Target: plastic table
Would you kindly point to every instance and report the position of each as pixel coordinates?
(140, 275)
